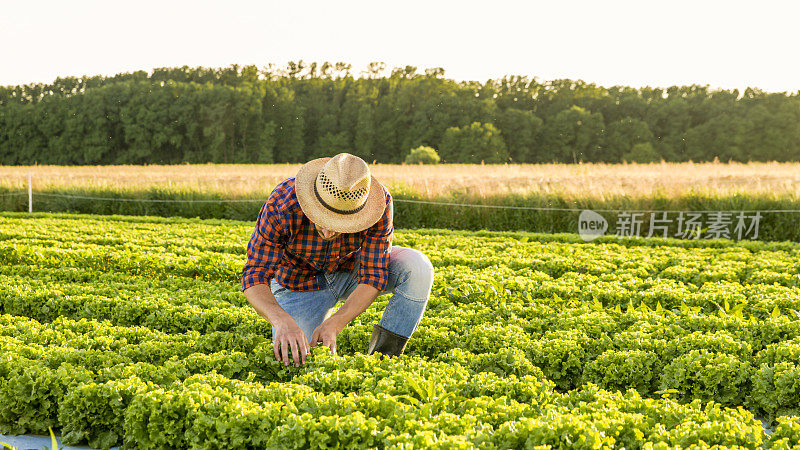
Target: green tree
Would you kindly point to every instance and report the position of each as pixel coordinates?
(364, 144)
(573, 135)
(333, 144)
(302, 110)
(721, 137)
(478, 142)
(669, 120)
(643, 152)
(521, 132)
(290, 121)
(622, 135)
(422, 155)
(772, 131)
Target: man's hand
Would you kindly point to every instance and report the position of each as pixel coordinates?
(290, 337)
(357, 303)
(327, 331)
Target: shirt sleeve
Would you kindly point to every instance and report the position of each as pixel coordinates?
(374, 269)
(266, 245)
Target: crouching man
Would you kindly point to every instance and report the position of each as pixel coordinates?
(323, 236)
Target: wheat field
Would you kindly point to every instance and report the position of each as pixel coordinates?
(566, 180)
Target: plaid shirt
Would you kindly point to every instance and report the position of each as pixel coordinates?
(286, 246)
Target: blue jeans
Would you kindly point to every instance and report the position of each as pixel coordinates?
(410, 280)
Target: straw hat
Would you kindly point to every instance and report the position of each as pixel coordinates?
(339, 193)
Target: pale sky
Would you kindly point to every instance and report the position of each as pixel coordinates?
(727, 44)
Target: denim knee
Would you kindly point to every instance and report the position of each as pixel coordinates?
(416, 273)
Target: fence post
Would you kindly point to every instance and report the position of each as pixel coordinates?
(30, 194)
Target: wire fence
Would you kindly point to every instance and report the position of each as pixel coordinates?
(150, 200)
(742, 179)
(628, 222)
(397, 200)
(537, 208)
(12, 194)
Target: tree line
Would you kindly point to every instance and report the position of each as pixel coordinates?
(304, 111)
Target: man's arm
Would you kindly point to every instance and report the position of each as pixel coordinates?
(374, 260)
(266, 245)
(358, 302)
(372, 279)
(288, 334)
(264, 252)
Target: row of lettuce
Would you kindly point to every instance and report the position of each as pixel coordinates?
(214, 250)
(686, 355)
(135, 332)
(141, 388)
(612, 274)
(723, 357)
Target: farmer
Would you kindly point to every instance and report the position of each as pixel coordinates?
(323, 236)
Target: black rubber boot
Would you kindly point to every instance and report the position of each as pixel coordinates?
(386, 342)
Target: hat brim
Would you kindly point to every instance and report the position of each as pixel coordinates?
(322, 216)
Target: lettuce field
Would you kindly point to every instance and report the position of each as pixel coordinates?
(133, 332)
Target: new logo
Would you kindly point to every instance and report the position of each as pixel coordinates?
(591, 225)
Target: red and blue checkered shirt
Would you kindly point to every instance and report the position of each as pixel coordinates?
(286, 246)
